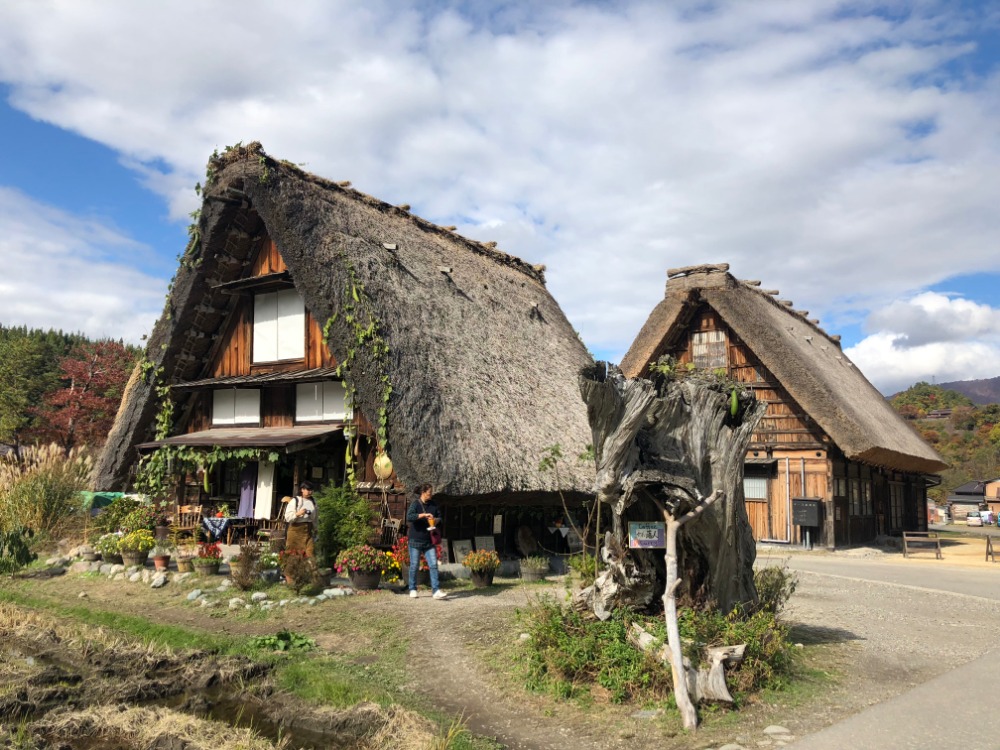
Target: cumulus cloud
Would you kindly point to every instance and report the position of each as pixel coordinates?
(929, 337)
(828, 149)
(66, 272)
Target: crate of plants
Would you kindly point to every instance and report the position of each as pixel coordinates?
(208, 559)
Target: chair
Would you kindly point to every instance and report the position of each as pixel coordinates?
(272, 530)
(240, 524)
(187, 520)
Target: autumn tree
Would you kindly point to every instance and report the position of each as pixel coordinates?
(82, 411)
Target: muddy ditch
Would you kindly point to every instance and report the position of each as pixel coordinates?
(74, 686)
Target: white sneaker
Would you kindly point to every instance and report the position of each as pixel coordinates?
(413, 593)
(439, 594)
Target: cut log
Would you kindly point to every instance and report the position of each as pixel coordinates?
(705, 684)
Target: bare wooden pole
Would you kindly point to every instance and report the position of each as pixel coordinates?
(678, 671)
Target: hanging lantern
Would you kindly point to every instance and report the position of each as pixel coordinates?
(383, 466)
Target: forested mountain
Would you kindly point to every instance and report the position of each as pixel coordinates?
(59, 387)
(968, 439)
(980, 391)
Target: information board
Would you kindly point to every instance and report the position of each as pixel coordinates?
(646, 535)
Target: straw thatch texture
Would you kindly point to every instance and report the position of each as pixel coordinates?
(804, 359)
(482, 361)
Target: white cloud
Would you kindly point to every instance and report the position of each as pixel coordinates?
(931, 337)
(820, 147)
(66, 272)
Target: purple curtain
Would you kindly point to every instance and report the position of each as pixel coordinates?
(248, 490)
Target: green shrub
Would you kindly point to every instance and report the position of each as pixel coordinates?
(345, 520)
(41, 490)
(112, 518)
(569, 653)
(775, 586)
(15, 552)
(585, 567)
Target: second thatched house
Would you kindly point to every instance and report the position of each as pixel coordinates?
(311, 328)
(831, 456)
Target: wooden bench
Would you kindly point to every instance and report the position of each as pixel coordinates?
(921, 540)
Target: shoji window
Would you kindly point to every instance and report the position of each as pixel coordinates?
(232, 407)
(279, 326)
(320, 402)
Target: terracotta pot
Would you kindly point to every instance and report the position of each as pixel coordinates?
(134, 557)
(365, 581)
(161, 562)
(482, 579)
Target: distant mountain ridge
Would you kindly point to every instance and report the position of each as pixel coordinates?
(980, 391)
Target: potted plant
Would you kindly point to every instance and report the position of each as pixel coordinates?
(363, 565)
(534, 568)
(135, 546)
(482, 566)
(109, 547)
(208, 559)
(161, 555)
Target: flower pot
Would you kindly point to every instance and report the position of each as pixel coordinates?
(482, 579)
(533, 574)
(184, 565)
(161, 533)
(206, 566)
(134, 557)
(161, 562)
(364, 580)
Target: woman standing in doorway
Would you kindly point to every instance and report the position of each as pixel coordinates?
(300, 514)
(423, 515)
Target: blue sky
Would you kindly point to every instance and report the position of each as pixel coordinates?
(846, 153)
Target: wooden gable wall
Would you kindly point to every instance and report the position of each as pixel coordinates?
(233, 357)
(785, 424)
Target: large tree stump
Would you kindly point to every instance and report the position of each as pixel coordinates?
(672, 443)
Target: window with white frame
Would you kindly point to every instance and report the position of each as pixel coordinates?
(755, 488)
(708, 349)
(279, 326)
(321, 402)
(233, 406)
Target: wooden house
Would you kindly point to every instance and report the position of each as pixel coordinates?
(828, 435)
(318, 326)
(979, 494)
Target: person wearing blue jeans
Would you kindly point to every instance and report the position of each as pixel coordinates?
(423, 515)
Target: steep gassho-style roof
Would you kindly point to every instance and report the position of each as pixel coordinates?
(805, 359)
(482, 361)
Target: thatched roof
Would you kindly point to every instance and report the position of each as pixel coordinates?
(483, 363)
(806, 360)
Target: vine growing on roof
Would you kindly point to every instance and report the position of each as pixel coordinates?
(358, 315)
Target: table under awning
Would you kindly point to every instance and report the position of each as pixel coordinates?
(289, 439)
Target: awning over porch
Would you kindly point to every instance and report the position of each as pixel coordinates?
(266, 378)
(288, 438)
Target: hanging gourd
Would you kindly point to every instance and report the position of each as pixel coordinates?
(383, 466)
(734, 403)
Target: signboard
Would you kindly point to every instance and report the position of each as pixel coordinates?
(460, 548)
(805, 511)
(485, 542)
(646, 535)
